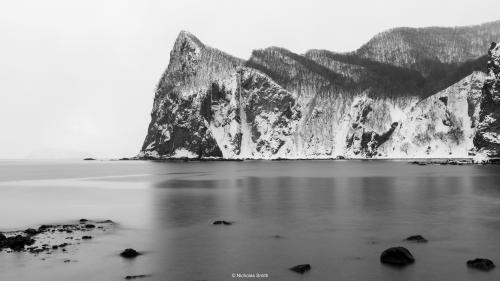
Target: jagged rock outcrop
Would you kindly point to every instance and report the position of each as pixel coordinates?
(178, 125)
(279, 104)
(440, 126)
(487, 138)
(208, 104)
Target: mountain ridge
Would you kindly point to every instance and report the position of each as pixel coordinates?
(321, 104)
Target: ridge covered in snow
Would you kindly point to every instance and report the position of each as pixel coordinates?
(279, 104)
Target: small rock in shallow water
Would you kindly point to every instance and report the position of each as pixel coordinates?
(16, 243)
(301, 268)
(89, 226)
(44, 227)
(86, 237)
(416, 238)
(222, 222)
(31, 231)
(129, 253)
(83, 220)
(129, 277)
(481, 264)
(398, 256)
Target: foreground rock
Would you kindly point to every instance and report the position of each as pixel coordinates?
(301, 268)
(130, 277)
(222, 222)
(129, 253)
(398, 256)
(16, 243)
(481, 264)
(48, 238)
(417, 239)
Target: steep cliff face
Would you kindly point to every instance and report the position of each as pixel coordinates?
(208, 105)
(178, 125)
(487, 138)
(324, 104)
(442, 125)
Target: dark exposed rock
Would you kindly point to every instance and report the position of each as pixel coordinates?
(83, 220)
(16, 243)
(89, 159)
(44, 227)
(301, 268)
(444, 100)
(398, 256)
(416, 238)
(86, 237)
(481, 264)
(222, 222)
(129, 277)
(31, 231)
(129, 253)
(19, 240)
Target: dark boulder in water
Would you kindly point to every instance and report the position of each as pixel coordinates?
(2, 237)
(83, 220)
(129, 253)
(89, 226)
(31, 231)
(86, 237)
(222, 222)
(398, 256)
(481, 264)
(416, 238)
(301, 268)
(16, 243)
(129, 277)
(44, 227)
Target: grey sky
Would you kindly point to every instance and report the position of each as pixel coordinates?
(77, 77)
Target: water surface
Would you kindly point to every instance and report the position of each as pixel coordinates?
(336, 215)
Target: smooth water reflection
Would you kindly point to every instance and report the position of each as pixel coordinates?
(336, 215)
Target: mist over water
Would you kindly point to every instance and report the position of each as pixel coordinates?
(337, 216)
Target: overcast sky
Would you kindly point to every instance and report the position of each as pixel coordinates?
(77, 77)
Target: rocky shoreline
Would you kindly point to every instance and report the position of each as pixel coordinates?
(415, 161)
(49, 239)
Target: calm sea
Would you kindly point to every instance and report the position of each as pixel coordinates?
(337, 216)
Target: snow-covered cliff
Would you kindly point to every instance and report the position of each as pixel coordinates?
(279, 104)
(487, 138)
